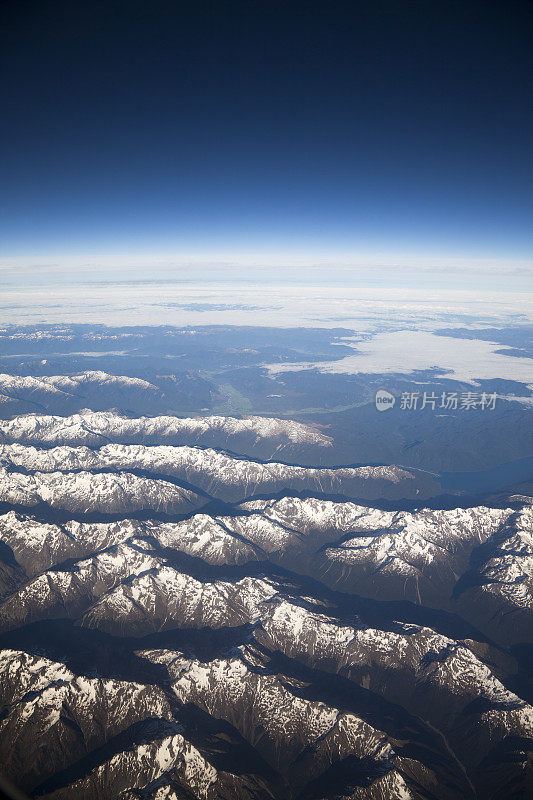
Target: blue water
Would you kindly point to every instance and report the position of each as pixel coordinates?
(489, 480)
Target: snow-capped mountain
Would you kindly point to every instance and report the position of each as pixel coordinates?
(181, 619)
(83, 492)
(132, 727)
(94, 428)
(222, 476)
(20, 394)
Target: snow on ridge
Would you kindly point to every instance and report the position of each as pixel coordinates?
(420, 553)
(92, 427)
(55, 384)
(206, 467)
(508, 574)
(33, 681)
(62, 592)
(428, 654)
(166, 598)
(438, 525)
(25, 671)
(85, 492)
(224, 684)
(42, 695)
(38, 546)
(422, 543)
(141, 765)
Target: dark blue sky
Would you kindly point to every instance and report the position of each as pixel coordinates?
(377, 126)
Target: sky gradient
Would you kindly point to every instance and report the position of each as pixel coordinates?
(240, 127)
